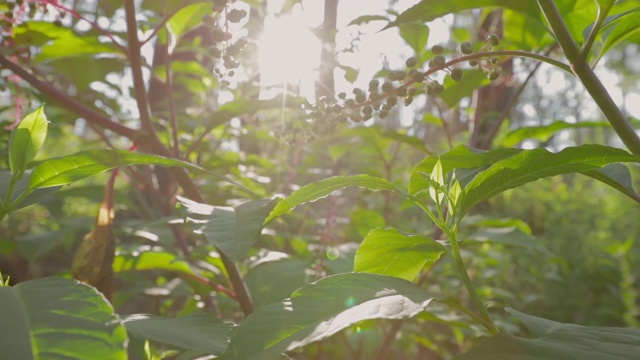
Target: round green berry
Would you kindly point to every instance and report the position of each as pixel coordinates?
(437, 61)
(373, 84)
(408, 101)
(350, 103)
(493, 39)
(360, 98)
(208, 19)
(466, 48)
(437, 49)
(342, 95)
(236, 15)
(411, 62)
(418, 77)
(473, 62)
(412, 91)
(401, 91)
(493, 61)
(456, 74)
(392, 101)
(494, 74)
(367, 110)
(387, 87)
(383, 114)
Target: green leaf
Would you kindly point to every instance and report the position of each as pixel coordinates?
(461, 157)
(367, 19)
(545, 132)
(322, 188)
(437, 176)
(620, 28)
(392, 253)
(68, 169)
(428, 10)
(273, 281)
(56, 318)
(416, 35)
(531, 165)
(187, 18)
(557, 341)
(506, 236)
(232, 229)
(198, 332)
(618, 177)
(320, 309)
(61, 42)
(26, 140)
(151, 260)
(36, 196)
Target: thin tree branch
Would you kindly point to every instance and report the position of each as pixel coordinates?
(66, 101)
(135, 59)
(243, 296)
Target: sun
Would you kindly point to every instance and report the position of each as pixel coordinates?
(289, 53)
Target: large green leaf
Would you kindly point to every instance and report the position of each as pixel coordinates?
(197, 332)
(56, 318)
(392, 253)
(620, 28)
(557, 341)
(320, 309)
(187, 18)
(38, 195)
(60, 42)
(67, 169)
(461, 157)
(416, 35)
(428, 10)
(26, 140)
(322, 188)
(151, 260)
(232, 229)
(531, 165)
(545, 132)
(273, 281)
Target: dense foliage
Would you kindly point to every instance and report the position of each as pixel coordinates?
(157, 201)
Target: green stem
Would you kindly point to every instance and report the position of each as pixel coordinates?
(515, 53)
(597, 25)
(589, 79)
(462, 270)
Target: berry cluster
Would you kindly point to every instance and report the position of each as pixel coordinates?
(223, 50)
(399, 86)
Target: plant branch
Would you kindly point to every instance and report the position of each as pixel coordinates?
(589, 79)
(135, 59)
(67, 101)
(243, 296)
(462, 270)
(597, 25)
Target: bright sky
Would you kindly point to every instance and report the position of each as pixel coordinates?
(289, 51)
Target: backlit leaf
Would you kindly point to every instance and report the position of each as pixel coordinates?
(558, 341)
(56, 318)
(428, 10)
(67, 169)
(26, 140)
(322, 188)
(392, 253)
(531, 165)
(200, 332)
(232, 229)
(320, 309)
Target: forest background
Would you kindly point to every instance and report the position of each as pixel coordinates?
(319, 179)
